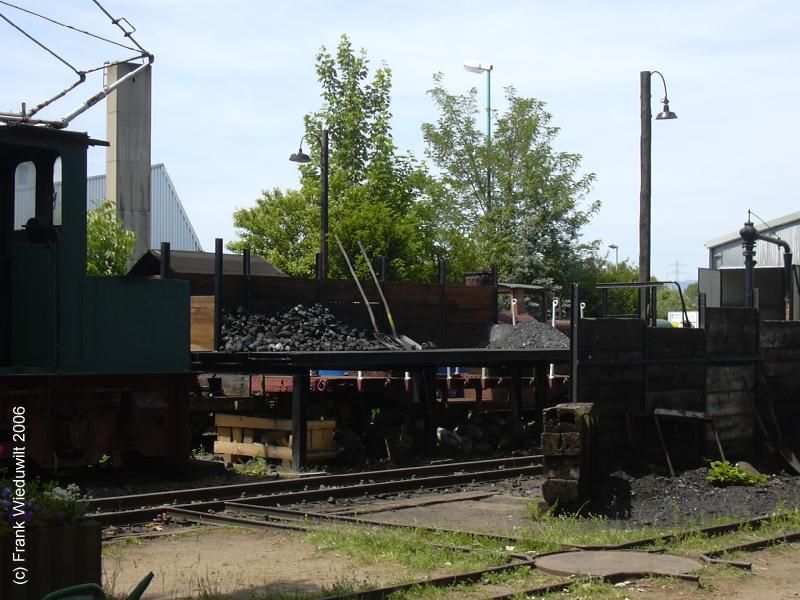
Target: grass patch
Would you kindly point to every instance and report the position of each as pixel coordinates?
(417, 549)
(549, 532)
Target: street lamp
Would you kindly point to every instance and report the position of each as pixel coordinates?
(476, 66)
(303, 158)
(644, 192)
(615, 248)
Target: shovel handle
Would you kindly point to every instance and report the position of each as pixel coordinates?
(358, 283)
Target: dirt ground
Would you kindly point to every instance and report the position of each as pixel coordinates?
(242, 564)
(238, 563)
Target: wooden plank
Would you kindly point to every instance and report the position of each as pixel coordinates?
(662, 342)
(683, 400)
(266, 423)
(780, 334)
(610, 334)
(668, 377)
(265, 451)
(621, 374)
(720, 404)
(237, 435)
(201, 318)
(224, 434)
(247, 435)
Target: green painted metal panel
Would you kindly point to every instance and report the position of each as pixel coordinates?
(135, 325)
(33, 304)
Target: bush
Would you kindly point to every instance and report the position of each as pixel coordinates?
(722, 472)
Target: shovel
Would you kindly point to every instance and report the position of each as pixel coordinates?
(381, 337)
(404, 340)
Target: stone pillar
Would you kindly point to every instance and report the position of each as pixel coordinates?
(128, 157)
(569, 454)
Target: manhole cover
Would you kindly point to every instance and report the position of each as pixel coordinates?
(599, 563)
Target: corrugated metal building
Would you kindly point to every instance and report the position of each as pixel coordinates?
(169, 221)
(723, 280)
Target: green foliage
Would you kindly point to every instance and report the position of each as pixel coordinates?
(721, 472)
(594, 270)
(45, 505)
(377, 196)
(108, 244)
(669, 300)
(530, 222)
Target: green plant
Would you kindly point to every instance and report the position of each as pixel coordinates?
(44, 505)
(255, 467)
(108, 243)
(721, 472)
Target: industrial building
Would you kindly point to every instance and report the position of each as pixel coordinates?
(723, 281)
(168, 219)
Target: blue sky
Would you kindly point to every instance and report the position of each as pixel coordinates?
(232, 81)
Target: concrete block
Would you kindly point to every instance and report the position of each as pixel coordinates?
(560, 491)
(551, 444)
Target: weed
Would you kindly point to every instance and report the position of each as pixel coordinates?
(722, 472)
(255, 467)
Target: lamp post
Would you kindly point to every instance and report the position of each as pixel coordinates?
(644, 192)
(302, 158)
(615, 248)
(476, 66)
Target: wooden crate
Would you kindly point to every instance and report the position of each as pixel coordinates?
(239, 435)
(201, 324)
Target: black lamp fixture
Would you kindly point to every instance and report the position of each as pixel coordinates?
(666, 113)
(303, 158)
(300, 156)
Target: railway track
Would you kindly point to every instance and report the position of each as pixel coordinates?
(120, 510)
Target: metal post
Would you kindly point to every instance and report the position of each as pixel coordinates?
(540, 397)
(653, 307)
(787, 274)
(442, 308)
(218, 293)
(644, 191)
(604, 296)
(316, 266)
(301, 385)
(323, 207)
(516, 393)
(246, 273)
(165, 256)
(575, 319)
(749, 234)
(489, 138)
(383, 268)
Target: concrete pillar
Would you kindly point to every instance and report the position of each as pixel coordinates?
(128, 157)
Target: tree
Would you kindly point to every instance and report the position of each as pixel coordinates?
(108, 243)
(669, 300)
(530, 223)
(386, 200)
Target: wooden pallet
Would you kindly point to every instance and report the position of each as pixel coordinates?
(243, 436)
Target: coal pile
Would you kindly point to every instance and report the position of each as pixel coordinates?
(525, 336)
(301, 328)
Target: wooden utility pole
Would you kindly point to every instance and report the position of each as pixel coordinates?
(644, 193)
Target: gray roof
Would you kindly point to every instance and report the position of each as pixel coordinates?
(182, 262)
(733, 237)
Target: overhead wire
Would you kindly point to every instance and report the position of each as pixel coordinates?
(38, 43)
(77, 29)
(121, 23)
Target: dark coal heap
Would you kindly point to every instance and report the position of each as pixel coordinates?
(525, 336)
(301, 328)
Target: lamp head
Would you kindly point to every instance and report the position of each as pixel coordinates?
(665, 113)
(613, 246)
(300, 157)
(475, 66)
